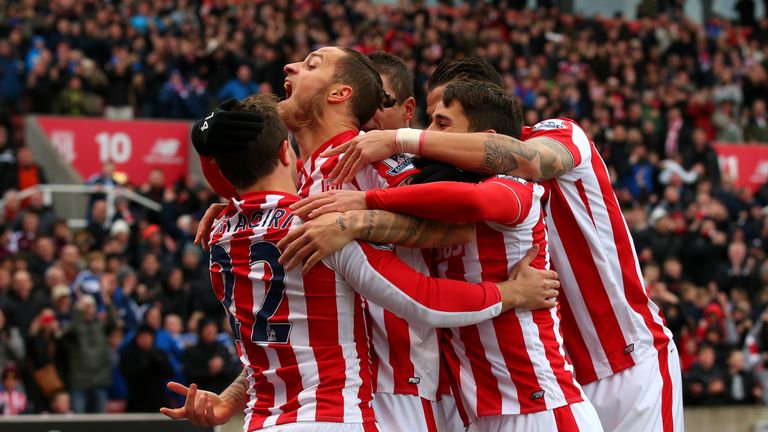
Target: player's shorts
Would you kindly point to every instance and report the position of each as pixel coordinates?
(396, 412)
(647, 397)
(578, 417)
(453, 421)
(323, 427)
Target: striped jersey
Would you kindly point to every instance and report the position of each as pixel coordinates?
(406, 355)
(609, 321)
(302, 339)
(514, 363)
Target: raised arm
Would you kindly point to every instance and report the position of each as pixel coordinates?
(538, 158)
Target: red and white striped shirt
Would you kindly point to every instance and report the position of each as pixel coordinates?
(406, 355)
(609, 322)
(302, 338)
(514, 363)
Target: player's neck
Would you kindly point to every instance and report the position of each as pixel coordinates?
(278, 181)
(311, 137)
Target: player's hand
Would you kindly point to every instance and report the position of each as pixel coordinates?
(224, 130)
(203, 235)
(360, 151)
(202, 408)
(331, 201)
(315, 240)
(529, 288)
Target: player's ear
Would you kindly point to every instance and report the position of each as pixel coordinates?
(339, 93)
(492, 131)
(410, 108)
(285, 153)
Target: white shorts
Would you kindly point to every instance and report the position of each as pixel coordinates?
(647, 397)
(322, 427)
(453, 421)
(578, 417)
(396, 412)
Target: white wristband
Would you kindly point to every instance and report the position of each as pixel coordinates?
(409, 140)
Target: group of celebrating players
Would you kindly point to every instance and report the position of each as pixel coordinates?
(399, 280)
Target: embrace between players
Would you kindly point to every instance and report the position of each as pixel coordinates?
(324, 265)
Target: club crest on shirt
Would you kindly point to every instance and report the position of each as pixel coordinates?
(398, 163)
(549, 124)
(328, 185)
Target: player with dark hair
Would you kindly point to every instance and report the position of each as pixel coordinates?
(398, 82)
(614, 333)
(510, 377)
(468, 68)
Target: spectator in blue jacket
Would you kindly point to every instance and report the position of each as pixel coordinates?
(240, 87)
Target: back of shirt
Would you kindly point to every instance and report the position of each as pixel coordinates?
(301, 338)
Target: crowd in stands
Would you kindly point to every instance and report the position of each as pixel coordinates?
(109, 313)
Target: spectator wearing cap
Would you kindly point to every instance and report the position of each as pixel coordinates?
(89, 358)
(240, 87)
(146, 369)
(61, 295)
(13, 400)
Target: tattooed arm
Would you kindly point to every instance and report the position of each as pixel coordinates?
(538, 158)
(326, 234)
(236, 392)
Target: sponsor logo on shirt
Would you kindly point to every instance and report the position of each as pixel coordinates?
(549, 124)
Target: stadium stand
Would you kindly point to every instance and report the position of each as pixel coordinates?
(654, 93)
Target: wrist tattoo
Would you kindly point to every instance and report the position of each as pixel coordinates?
(371, 221)
(238, 389)
(340, 222)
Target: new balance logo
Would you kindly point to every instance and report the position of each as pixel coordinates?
(629, 349)
(414, 380)
(537, 395)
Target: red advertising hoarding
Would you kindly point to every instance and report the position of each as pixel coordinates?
(746, 164)
(135, 146)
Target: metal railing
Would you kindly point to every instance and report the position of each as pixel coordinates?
(111, 192)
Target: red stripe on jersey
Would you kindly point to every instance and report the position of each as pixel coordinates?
(574, 342)
(546, 325)
(321, 302)
(365, 393)
(598, 302)
(374, 358)
(565, 420)
(450, 361)
(667, 418)
(487, 393)
(634, 289)
(583, 195)
(429, 415)
(399, 353)
(540, 238)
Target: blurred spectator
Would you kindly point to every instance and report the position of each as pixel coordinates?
(146, 369)
(118, 98)
(7, 163)
(22, 304)
(701, 157)
(207, 363)
(740, 385)
(240, 87)
(60, 403)
(88, 281)
(704, 383)
(12, 349)
(45, 355)
(757, 125)
(29, 173)
(89, 359)
(13, 401)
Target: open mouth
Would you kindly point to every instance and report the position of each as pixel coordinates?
(288, 89)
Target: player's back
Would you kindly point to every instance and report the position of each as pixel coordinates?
(609, 322)
(302, 338)
(512, 364)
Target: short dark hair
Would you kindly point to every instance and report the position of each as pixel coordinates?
(396, 71)
(258, 157)
(368, 95)
(468, 68)
(486, 106)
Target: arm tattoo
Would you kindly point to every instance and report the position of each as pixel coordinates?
(340, 221)
(503, 154)
(410, 231)
(237, 391)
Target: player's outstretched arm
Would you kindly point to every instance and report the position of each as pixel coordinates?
(381, 277)
(204, 408)
(538, 158)
(320, 237)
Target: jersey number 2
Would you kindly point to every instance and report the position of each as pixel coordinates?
(263, 330)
